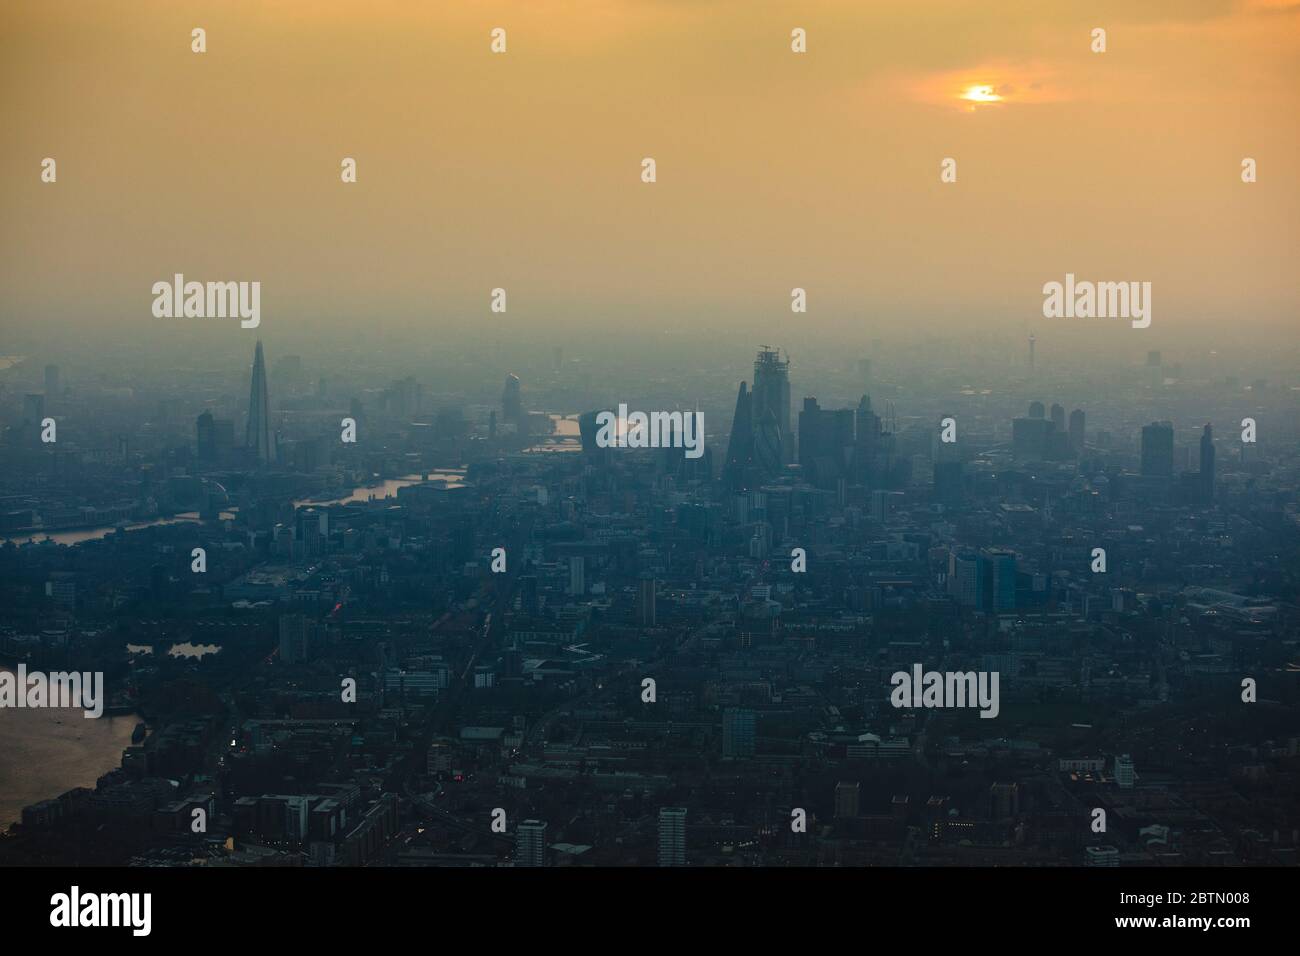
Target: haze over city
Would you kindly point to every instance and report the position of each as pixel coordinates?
(774, 170)
(650, 433)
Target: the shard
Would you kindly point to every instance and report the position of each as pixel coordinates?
(257, 439)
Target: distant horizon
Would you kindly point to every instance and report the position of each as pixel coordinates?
(1060, 348)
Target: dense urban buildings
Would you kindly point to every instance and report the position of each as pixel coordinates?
(456, 642)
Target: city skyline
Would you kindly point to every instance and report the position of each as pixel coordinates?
(630, 434)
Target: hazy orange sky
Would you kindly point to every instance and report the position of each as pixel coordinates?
(775, 169)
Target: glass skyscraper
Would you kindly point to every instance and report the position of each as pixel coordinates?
(257, 438)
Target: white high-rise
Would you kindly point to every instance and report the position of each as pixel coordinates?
(1124, 771)
(530, 843)
(672, 836)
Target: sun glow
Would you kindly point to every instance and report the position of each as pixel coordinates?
(981, 94)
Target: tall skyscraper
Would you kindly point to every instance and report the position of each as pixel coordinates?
(1058, 417)
(769, 442)
(1124, 771)
(1000, 588)
(530, 843)
(847, 797)
(206, 432)
(737, 733)
(1158, 450)
(1036, 410)
(825, 442)
(294, 640)
(866, 441)
(966, 578)
(740, 446)
(224, 438)
(1076, 430)
(672, 836)
(257, 437)
(771, 410)
(577, 575)
(1207, 462)
(1030, 437)
(512, 408)
(761, 442)
(312, 531)
(645, 600)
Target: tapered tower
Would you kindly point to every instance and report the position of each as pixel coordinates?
(257, 438)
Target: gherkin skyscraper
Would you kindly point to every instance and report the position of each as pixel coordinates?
(257, 439)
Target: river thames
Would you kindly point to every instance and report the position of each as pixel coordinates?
(45, 752)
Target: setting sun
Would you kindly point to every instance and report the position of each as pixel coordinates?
(981, 94)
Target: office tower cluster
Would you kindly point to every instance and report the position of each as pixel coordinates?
(1038, 437)
(761, 442)
(1158, 455)
(835, 446)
